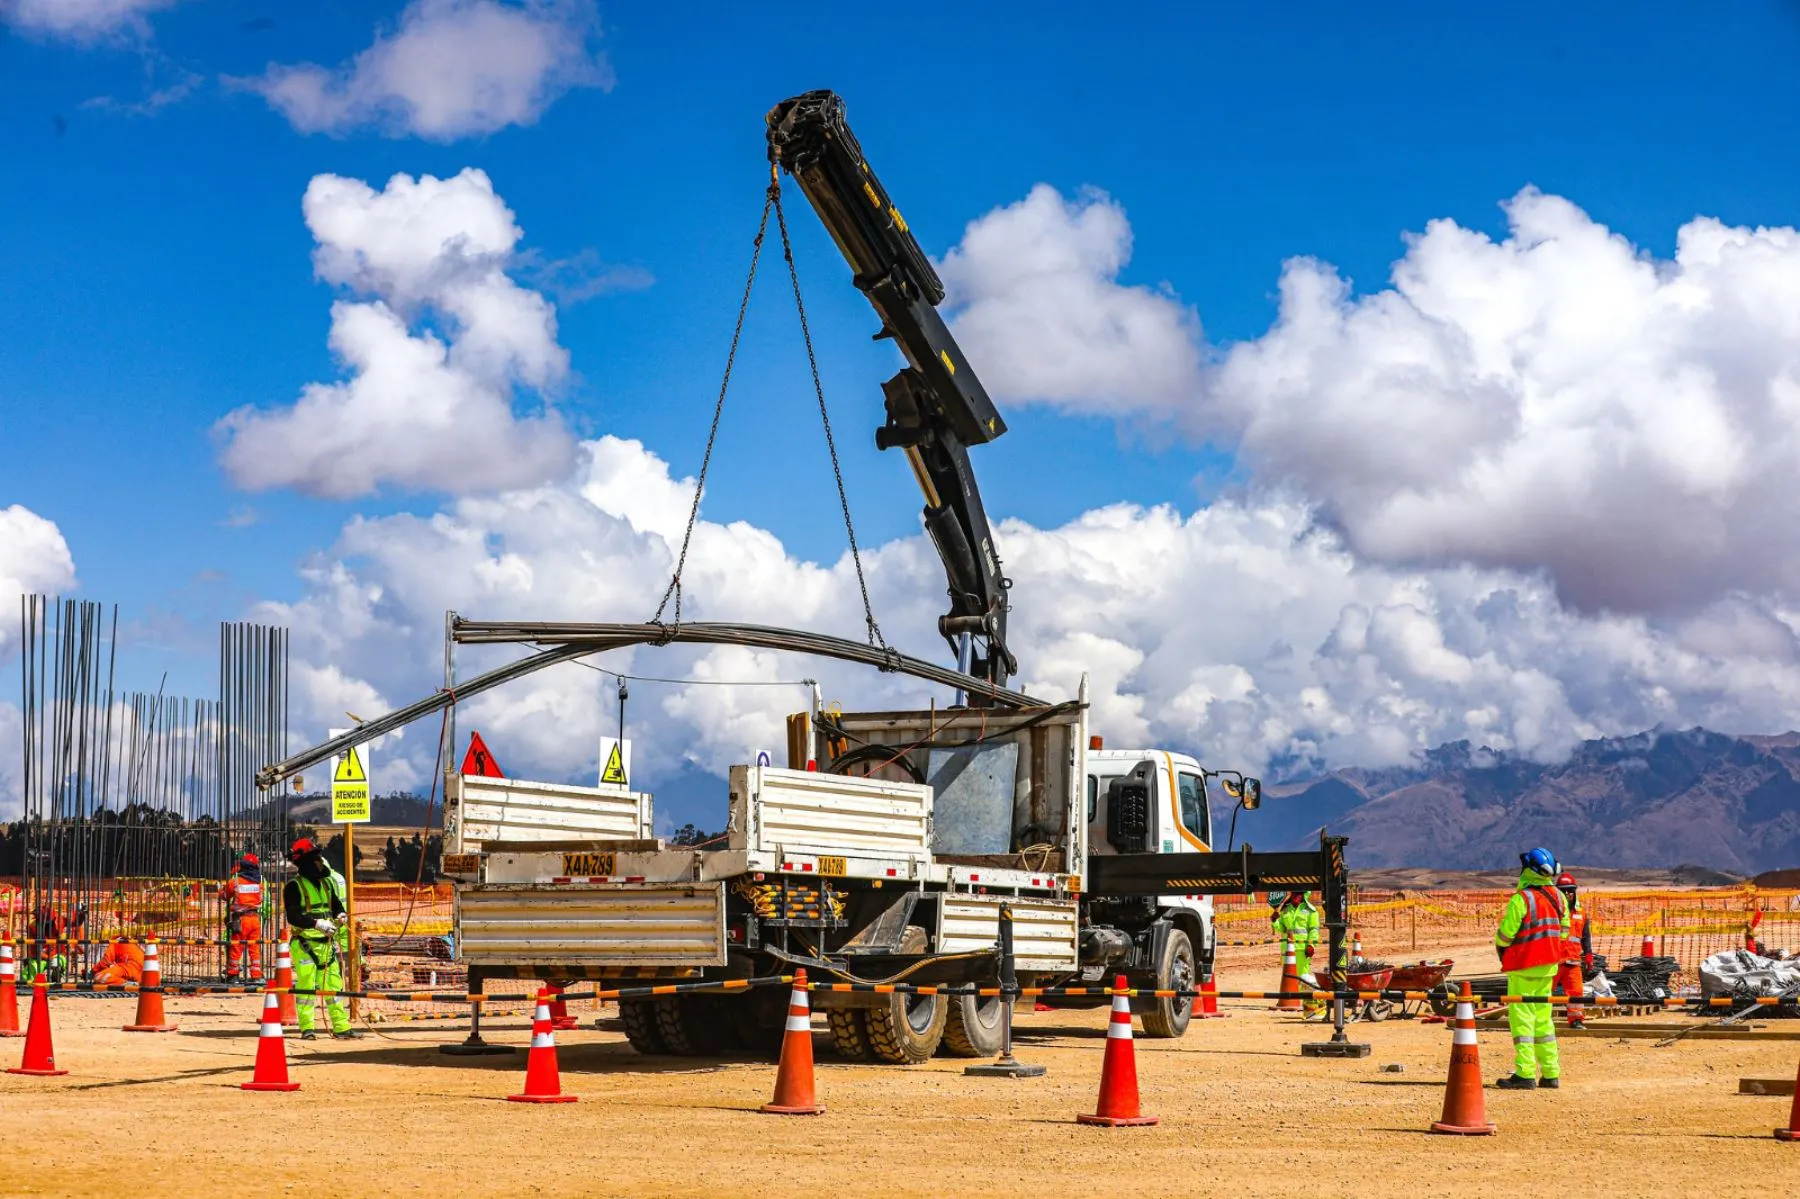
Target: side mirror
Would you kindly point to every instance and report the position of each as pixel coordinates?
(1252, 794)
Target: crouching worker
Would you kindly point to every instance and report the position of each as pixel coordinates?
(122, 963)
(1530, 941)
(314, 912)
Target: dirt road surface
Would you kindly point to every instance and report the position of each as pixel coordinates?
(1242, 1114)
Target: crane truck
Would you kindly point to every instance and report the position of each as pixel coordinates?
(883, 847)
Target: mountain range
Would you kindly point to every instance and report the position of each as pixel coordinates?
(1656, 799)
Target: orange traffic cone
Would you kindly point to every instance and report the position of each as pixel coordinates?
(559, 1011)
(40, 1055)
(1290, 979)
(1356, 947)
(1465, 1108)
(1792, 1131)
(794, 1094)
(1118, 1106)
(271, 1051)
(150, 1016)
(542, 1082)
(9, 993)
(1209, 998)
(1649, 947)
(284, 979)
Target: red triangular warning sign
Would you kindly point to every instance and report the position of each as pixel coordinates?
(478, 761)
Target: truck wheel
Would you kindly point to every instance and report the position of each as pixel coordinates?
(907, 1029)
(1175, 972)
(975, 1025)
(639, 1018)
(686, 1027)
(848, 1034)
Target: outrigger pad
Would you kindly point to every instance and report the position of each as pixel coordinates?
(1336, 1049)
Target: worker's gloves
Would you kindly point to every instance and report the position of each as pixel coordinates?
(324, 926)
(1587, 961)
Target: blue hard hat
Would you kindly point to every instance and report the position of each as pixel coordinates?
(1540, 860)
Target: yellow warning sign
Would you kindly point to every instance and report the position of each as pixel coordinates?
(615, 762)
(613, 774)
(350, 789)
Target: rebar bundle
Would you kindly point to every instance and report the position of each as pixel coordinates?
(137, 804)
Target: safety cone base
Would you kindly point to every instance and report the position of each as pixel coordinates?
(542, 1098)
(11, 1032)
(1787, 1134)
(36, 1073)
(1464, 1130)
(776, 1109)
(268, 1086)
(150, 1027)
(1117, 1121)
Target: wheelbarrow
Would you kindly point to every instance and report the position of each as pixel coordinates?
(1430, 977)
(1371, 976)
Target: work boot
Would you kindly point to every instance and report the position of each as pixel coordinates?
(1577, 1022)
(1550, 1084)
(1517, 1082)
(309, 1035)
(349, 1034)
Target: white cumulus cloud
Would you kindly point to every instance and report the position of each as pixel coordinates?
(1241, 631)
(34, 559)
(1036, 302)
(80, 20)
(419, 411)
(450, 69)
(1558, 400)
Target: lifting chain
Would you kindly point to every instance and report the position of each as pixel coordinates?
(771, 200)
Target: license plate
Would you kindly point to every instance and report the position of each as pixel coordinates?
(588, 863)
(462, 863)
(833, 866)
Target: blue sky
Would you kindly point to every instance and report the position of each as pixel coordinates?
(158, 272)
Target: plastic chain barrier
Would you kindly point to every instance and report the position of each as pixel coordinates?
(122, 990)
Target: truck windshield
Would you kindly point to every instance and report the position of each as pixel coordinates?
(1194, 815)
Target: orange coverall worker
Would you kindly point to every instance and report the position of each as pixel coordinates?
(243, 895)
(1578, 952)
(122, 962)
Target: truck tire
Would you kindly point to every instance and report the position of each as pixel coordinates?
(687, 1028)
(849, 1035)
(639, 1018)
(974, 1026)
(907, 1029)
(1176, 971)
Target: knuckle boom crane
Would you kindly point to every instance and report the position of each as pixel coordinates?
(936, 406)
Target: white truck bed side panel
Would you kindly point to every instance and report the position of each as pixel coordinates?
(1043, 932)
(601, 926)
(489, 809)
(810, 812)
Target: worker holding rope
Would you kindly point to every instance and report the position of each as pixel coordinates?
(315, 911)
(1530, 940)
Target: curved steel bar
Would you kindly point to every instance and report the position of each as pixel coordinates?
(609, 636)
(570, 641)
(437, 701)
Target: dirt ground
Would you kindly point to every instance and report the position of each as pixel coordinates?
(1242, 1114)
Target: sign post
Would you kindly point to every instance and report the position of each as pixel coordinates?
(351, 801)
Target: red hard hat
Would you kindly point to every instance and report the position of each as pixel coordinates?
(301, 848)
(1565, 879)
(249, 859)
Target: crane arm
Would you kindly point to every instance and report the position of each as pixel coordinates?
(936, 406)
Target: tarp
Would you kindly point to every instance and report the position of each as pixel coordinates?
(1740, 972)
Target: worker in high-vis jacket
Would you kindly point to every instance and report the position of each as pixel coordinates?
(242, 895)
(1530, 941)
(1296, 922)
(1578, 951)
(315, 911)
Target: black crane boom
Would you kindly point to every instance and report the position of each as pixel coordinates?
(936, 406)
